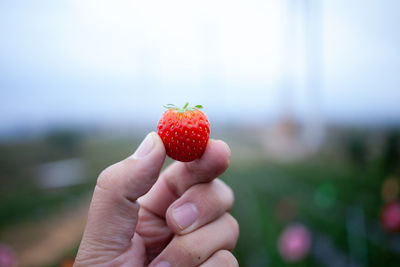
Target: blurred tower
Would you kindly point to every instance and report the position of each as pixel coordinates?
(287, 84)
(314, 129)
(302, 67)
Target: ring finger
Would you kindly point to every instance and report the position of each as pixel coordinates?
(196, 247)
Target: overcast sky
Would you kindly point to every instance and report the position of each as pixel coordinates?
(96, 60)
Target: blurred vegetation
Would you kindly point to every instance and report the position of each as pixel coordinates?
(259, 188)
(321, 191)
(21, 197)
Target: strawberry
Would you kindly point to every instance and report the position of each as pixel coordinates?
(184, 132)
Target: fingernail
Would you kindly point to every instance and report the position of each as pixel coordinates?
(145, 147)
(185, 215)
(163, 264)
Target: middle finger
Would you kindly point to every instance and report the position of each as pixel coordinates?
(199, 205)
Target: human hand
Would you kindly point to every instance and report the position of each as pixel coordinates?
(179, 219)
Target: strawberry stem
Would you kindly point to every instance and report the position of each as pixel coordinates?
(184, 109)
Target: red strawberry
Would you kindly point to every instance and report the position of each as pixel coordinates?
(184, 132)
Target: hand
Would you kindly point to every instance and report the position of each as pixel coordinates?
(179, 219)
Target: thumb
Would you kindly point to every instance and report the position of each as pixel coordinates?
(113, 212)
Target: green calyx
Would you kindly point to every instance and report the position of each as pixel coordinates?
(184, 109)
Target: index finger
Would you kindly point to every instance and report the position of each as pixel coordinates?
(179, 177)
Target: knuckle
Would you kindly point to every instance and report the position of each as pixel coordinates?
(226, 258)
(213, 198)
(104, 180)
(213, 162)
(224, 193)
(225, 155)
(234, 227)
(188, 250)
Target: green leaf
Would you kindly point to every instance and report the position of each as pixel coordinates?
(170, 106)
(185, 107)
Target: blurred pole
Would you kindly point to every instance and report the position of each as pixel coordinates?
(314, 129)
(211, 79)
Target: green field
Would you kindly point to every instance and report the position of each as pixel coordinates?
(337, 196)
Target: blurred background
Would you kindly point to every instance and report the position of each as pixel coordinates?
(306, 93)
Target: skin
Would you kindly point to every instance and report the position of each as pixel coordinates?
(132, 218)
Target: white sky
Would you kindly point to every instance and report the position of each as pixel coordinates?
(94, 60)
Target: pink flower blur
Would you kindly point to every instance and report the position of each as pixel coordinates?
(7, 257)
(390, 217)
(294, 242)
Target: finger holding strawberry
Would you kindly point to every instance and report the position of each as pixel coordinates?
(184, 132)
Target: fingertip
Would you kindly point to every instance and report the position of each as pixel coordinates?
(220, 186)
(154, 159)
(137, 173)
(158, 143)
(156, 137)
(219, 152)
(223, 149)
(152, 142)
(214, 162)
